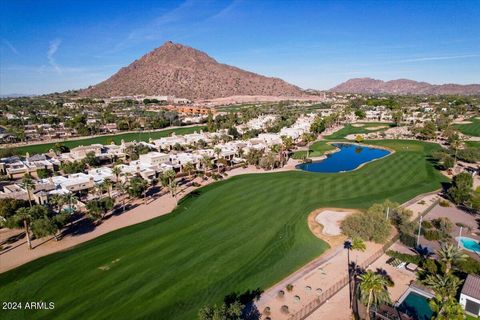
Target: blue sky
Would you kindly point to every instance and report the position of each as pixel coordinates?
(48, 46)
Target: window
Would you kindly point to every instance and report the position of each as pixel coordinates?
(472, 307)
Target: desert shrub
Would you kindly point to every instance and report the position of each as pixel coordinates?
(432, 235)
(408, 239)
(443, 224)
(373, 225)
(266, 311)
(469, 265)
(470, 155)
(427, 224)
(289, 287)
(368, 227)
(281, 293)
(444, 203)
(421, 202)
(408, 258)
(284, 309)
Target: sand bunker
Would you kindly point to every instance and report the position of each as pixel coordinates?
(357, 125)
(376, 128)
(331, 221)
(325, 224)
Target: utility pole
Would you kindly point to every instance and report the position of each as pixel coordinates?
(419, 229)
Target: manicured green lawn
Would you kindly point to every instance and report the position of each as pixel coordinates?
(317, 149)
(244, 233)
(140, 136)
(470, 129)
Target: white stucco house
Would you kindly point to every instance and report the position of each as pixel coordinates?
(470, 295)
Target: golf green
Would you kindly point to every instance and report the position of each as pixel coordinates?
(241, 234)
(138, 136)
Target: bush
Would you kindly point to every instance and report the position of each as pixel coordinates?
(266, 311)
(427, 224)
(368, 226)
(284, 309)
(444, 203)
(470, 155)
(430, 266)
(289, 287)
(469, 265)
(408, 258)
(408, 239)
(443, 224)
(432, 235)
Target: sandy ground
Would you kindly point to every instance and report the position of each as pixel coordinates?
(376, 128)
(337, 307)
(357, 125)
(330, 217)
(249, 99)
(17, 252)
(462, 122)
(330, 220)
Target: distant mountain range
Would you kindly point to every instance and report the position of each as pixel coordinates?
(16, 95)
(181, 71)
(403, 87)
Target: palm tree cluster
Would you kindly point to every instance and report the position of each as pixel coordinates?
(445, 284)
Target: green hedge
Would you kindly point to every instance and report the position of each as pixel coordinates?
(405, 257)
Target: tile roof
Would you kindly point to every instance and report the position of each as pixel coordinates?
(471, 287)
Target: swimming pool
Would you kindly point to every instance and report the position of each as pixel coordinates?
(417, 306)
(349, 157)
(469, 244)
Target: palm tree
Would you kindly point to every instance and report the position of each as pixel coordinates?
(169, 181)
(444, 304)
(355, 244)
(450, 254)
(206, 163)
(71, 199)
(443, 285)
(107, 185)
(123, 188)
(307, 138)
(116, 171)
(373, 290)
(23, 216)
(189, 168)
(217, 151)
(29, 185)
(448, 309)
(57, 201)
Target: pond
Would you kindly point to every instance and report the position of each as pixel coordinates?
(350, 157)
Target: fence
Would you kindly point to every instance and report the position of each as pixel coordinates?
(307, 310)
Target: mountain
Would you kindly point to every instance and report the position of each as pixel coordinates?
(402, 87)
(181, 71)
